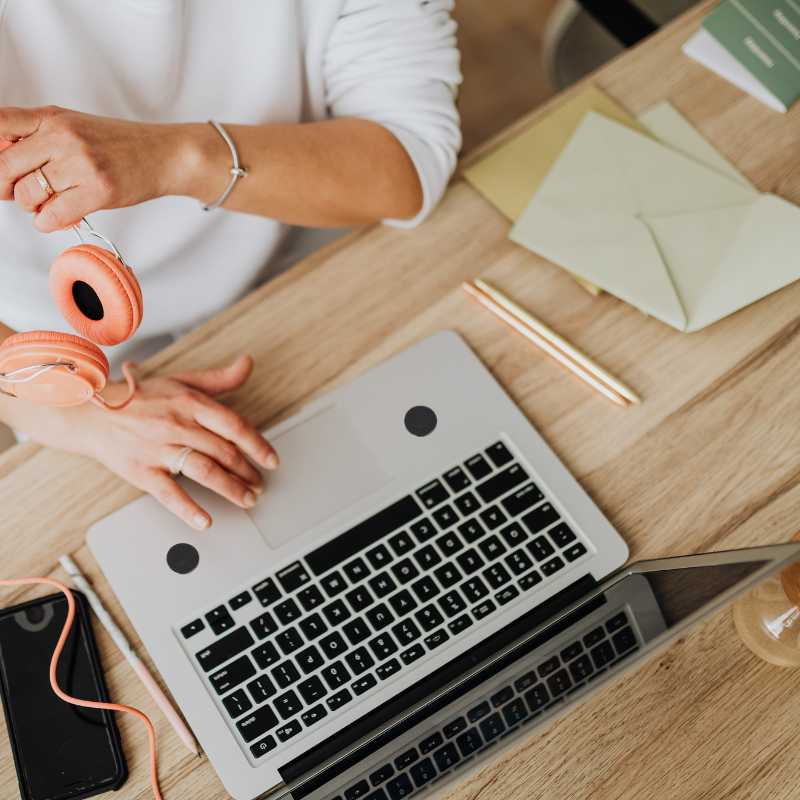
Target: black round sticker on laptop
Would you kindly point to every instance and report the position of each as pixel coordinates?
(183, 558)
(420, 420)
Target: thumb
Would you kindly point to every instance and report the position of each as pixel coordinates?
(17, 123)
(217, 381)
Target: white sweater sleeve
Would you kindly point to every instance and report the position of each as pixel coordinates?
(395, 62)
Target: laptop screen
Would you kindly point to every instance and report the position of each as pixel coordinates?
(525, 675)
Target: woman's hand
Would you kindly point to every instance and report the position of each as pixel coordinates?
(141, 442)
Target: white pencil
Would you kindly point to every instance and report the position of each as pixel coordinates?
(125, 648)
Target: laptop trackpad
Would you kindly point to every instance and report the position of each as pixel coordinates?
(325, 467)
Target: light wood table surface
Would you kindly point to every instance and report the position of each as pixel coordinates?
(710, 461)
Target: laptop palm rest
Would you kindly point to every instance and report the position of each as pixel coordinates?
(325, 467)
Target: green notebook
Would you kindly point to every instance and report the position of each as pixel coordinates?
(764, 37)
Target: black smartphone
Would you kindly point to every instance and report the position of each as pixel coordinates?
(60, 751)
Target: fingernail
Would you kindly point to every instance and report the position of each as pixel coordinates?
(249, 499)
(202, 521)
(259, 489)
(271, 461)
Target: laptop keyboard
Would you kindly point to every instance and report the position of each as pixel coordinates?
(302, 644)
(544, 684)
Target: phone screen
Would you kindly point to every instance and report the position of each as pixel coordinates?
(63, 750)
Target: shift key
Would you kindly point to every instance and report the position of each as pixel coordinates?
(500, 484)
(225, 648)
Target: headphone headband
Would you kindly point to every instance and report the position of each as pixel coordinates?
(89, 229)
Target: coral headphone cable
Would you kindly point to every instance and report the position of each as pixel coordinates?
(87, 703)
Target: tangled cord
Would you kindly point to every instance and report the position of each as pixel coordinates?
(87, 703)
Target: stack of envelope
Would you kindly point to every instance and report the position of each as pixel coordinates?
(661, 220)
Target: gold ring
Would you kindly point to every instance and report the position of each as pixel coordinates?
(43, 181)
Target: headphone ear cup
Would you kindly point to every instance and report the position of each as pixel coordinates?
(57, 386)
(96, 294)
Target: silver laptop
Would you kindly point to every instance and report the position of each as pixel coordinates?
(417, 526)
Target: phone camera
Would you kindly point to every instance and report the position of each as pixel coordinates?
(34, 614)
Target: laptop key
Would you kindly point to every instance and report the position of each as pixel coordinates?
(456, 726)
(624, 640)
(379, 617)
(552, 566)
(427, 557)
(401, 543)
(264, 625)
(617, 622)
(359, 661)
(457, 479)
(429, 617)
(235, 673)
(537, 697)
(256, 724)
(436, 639)
(288, 730)
(492, 517)
(496, 576)
(382, 584)
(502, 483)
(518, 562)
(449, 544)
(285, 674)
(559, 683)
(313, 715)
(359, 790)
(192, 628)
(503, 696)
(575, 552)
(309, 659)
(479, 712)
(446, 758)
(469, 742)
(445, 517)
(530, 580)
(483, 610)
(311, 690)
(540, 518)
(289, 641)
(360, 598)
(240, 600)
(336, 612)
(492, 727)
(237, 703)
(461, 624)
(492, 548)
(423, 530)
(313, 626)
(220, 620)
(478, 467)
(400, 787)
(261, 688)
(382, 774)
(356, 570)
(525, 682)
(383, 646)
(406, 632)
(356, 631)
(425, 589)
(364, 684)
(287, 611)
(562, 534)
(549, 667)
(267, 592)
(432, 494)
(402, 603)
(431, 743)
(447, 575)
(452, 603)
(388, 669)
(335, 675)
(470, 561)
(499, 454)
(412, 654)
(406, 759)
(266, 654)
(467, 503)
(310, 598)
(570, 652)
(293, 577)
(379, 557)
(581, 668)
(471, 531)
(339, 699)
(514, 534)
(405, 571)
(540, 548)
(224, 649)
(333, 584)
(263, 747)
(423, 772)
(333, 645)
(593, 637)
(288, 704)
(521, 500)
(514, 712)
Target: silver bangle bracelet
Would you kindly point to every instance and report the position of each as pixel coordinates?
(237, 171)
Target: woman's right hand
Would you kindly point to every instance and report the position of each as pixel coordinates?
(142, 441)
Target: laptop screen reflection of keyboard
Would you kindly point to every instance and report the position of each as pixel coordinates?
(377, 599)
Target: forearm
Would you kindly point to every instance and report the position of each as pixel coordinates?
(336, 172)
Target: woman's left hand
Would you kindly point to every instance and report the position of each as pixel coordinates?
(90, 163)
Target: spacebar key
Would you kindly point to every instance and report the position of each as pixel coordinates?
(224, 648)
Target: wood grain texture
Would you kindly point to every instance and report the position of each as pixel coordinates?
(710, 461)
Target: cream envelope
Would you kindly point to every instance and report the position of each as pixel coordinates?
(679, 240)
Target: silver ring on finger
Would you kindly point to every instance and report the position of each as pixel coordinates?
(176, 468)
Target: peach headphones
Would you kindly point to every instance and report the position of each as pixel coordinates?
(99, 296)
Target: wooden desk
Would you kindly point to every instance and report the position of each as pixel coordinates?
(710, 461)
